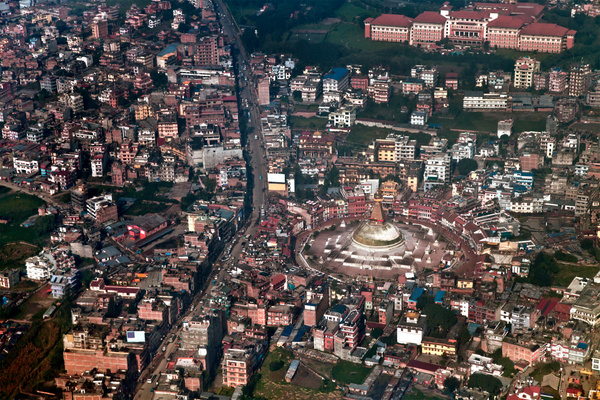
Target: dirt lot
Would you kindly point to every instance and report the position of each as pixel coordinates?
(306, 385)
(40, 301)
(13, 255)
(306, 378)
(321, 367)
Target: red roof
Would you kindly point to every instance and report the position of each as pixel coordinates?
(423, 366)
(541, 29)
(277, 279)
(504, 21)
(392, 20)
(563, 308)
(546, 306)
(466, 14)
(430, 17)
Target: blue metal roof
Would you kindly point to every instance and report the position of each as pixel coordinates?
(336, 73)
(418, 292)
(439, 296)
(169, 49)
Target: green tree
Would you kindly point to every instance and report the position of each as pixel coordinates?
(276, 365)
(466, 165)
(45, 224)
(485, 382)
(451, 384)
(439, 320)
(250, 39)
(211, 185)
(184, 27)
(376, 333)
(333, 176)
(159, 79)
(187, 201)
(113, 310)
(297, 95)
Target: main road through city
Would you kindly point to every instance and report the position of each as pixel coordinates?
(256, 150)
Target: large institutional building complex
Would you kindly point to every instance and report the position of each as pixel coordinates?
(509, 26)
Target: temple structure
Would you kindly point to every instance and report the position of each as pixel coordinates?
(377, 234)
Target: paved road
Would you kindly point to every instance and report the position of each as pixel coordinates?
(255, 147)
(258, 164)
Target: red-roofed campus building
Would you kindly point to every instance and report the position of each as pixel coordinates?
(388, 28)
(428, 27)
(507, 26)
(546, 38)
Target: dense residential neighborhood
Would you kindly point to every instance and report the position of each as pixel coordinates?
(227, 199)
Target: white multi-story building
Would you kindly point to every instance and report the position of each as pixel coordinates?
(586, 309)
(96, 203)
(25, 166)
(147, 137)
(485, 101)
(505, 127)
(428, 75)
(527, 205)
(336, 81)
(97, 164)
(104, 96)
(418, 118)
(153, 22)
(410, 330)
(581, 170)
(42, 266)
(405, 148)
(463, 150)
(437, 171)
(525, 68)
(343, 117)
(596, 361)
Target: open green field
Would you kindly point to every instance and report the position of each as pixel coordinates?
(13, 255)
(582, 126)
(272, 384)
(544, 369)
(16, 208)
(349, 12)
(312, 123)
(157, 191)
(488, 121)
(306, 107)
(416, 394)
(347, 372)
(361, 135)
(390, 111)
(568, 272)
(142, 207)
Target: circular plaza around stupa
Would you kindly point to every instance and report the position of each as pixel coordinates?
(377, 247)
(376, 234)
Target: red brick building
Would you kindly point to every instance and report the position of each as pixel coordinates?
(530, 161)
(451, 81)
(503, 32)
(388, 28)
(510, 26)
(546, 38)
(359, 82)
(153, 311)
(78, 361)
(427, 27)
(357, 205)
